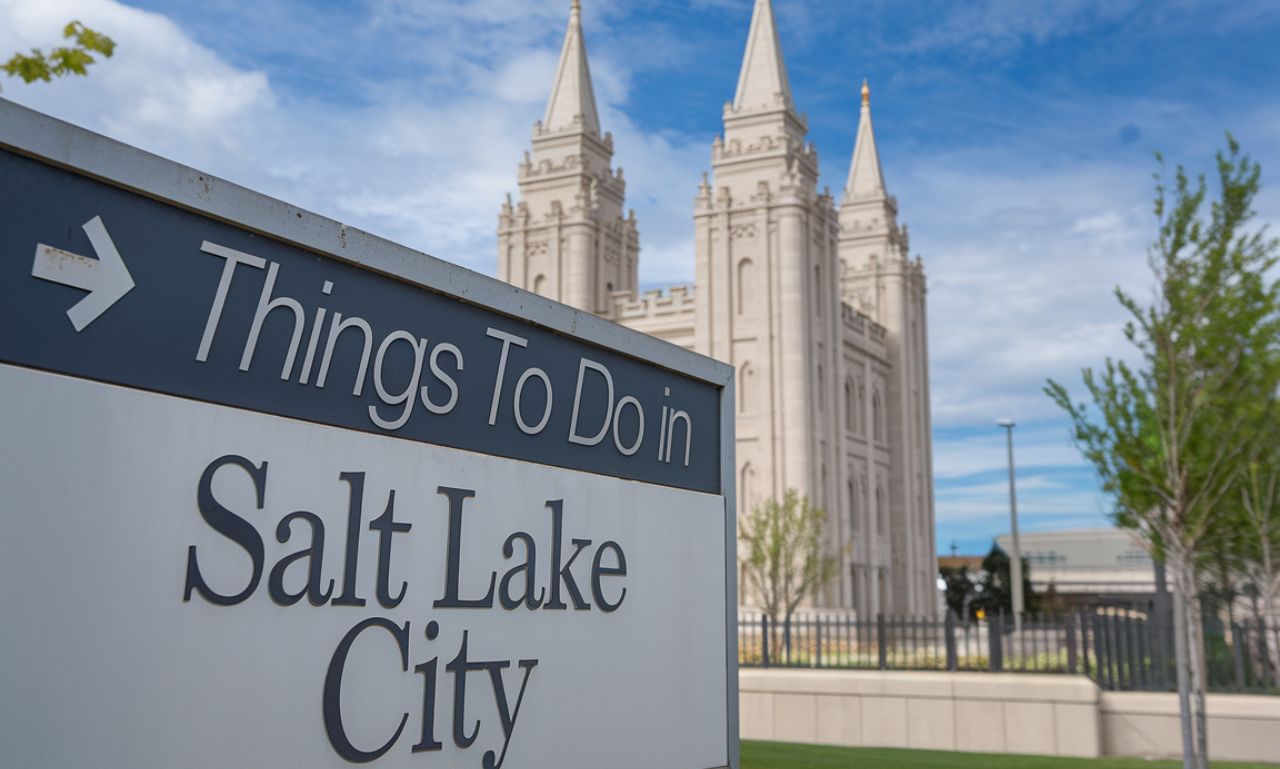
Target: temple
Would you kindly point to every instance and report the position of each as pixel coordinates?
(816, 302)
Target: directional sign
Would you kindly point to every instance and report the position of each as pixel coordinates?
(282, 493)
(105, 278)
(233, 317)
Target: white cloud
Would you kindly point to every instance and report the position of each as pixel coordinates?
(984, 451)
(161, 89)
(662, 173)
(423, 157)
(1024, 243)
(1056, 488)
(997, 26)
(1021, 268)
(1044, 502)
(524, 78)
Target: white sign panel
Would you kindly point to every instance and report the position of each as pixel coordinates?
(581, 601)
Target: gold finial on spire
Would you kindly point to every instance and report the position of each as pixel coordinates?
(866, 90)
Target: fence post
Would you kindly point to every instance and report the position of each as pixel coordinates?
(1084, 643)
(880, 642)
(1072, 662)
(786, 640)
(764, 634)
(995, 643)
(950, 628)
(817, 655)
(1237, 654)
(1160, 646)
(1129, 658)
(1101, 658)
(1146, 675)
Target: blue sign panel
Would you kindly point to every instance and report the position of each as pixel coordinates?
(103, 283)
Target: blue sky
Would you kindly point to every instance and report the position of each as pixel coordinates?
(1017, 135)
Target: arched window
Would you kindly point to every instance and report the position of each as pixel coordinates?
(850, 407)
(854, 602)
(882, 515)
(746, 284)
(822, 389)
(853, 505)
(864, 504)
(859, 413)
(822, 490)
(540, 285)
(746, 486)
(817, 290)
(877, 425)
(746, 387)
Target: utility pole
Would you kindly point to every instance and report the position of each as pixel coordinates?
(1015, 558)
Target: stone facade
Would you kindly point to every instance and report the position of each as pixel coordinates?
(817, 305)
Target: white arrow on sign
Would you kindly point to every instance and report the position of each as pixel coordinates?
(105, 278)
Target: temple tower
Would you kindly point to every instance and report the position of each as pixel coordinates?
(879, 279)
(567, 238)
(767, 301)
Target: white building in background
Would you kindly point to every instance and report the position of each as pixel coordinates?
(1085, 562)
(815, 301)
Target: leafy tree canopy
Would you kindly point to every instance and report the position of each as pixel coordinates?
(784, 560)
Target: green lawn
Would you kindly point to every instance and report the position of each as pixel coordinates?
(778, 755)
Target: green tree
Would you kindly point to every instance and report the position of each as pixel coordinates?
(73, 59)
(784, 560)
(996, 595)
(1169, 434)
(960, 591)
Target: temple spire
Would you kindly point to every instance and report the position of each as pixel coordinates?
(762, 82)
(865, 177)
(573, 102)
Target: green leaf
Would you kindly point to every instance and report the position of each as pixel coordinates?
(67, 60)
(89, 40)
(28, 67)
(70, 61)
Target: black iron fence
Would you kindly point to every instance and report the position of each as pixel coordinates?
(1120, 649)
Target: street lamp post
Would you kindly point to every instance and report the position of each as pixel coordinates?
(1015, 558)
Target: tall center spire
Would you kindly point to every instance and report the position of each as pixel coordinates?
(573, 102)
(762, 82)
(866, 180)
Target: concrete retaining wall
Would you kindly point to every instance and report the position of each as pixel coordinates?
(991, 713)
(1242, 727)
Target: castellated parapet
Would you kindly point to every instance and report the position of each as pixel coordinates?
(860, 325)
(668, 314)
(658, 303)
